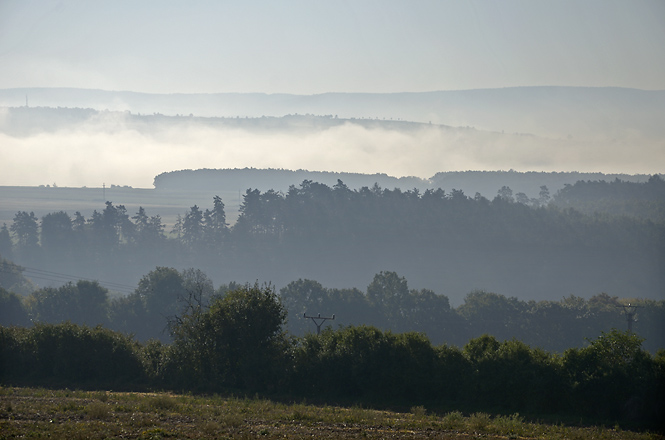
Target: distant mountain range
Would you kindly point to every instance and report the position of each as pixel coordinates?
(601, 113)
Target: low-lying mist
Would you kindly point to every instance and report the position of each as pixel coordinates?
(125, 149)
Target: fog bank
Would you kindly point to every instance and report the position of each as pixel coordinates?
(123, 149)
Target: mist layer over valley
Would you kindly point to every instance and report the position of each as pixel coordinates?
(453, 207)
(336, 199)
(525, 129)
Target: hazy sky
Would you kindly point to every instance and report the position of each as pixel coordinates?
(310, 47)
(307, 46)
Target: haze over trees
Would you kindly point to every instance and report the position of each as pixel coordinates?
(444, 241)
(617, 198)
(479, 292)
(236, 342)
(387, 302)
(471, 182)
(519, 351)
(607, 112)
(548, 276)
(319, 138)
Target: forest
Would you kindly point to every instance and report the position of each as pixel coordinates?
(174, 329)
(471, 182)
(387, 303)
(330, 230)
(526, 247)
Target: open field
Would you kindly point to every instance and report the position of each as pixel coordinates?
(167, 204)
(38, 413)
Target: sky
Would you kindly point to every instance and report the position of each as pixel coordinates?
(311, 47)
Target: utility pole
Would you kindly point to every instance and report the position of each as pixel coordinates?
(318, 321)
(630, 315)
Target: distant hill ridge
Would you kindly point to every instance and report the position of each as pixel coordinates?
(547, 111)
(25, 121)
(487, 183)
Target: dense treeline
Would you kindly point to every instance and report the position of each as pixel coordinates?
(387, 303)
(237, 343)
(447, 241)
(646, 201)
(276, 179)
(471, 182)
(335, 235)
(529, 183)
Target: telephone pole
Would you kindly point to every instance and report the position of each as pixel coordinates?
(630, 313)
(318, 321)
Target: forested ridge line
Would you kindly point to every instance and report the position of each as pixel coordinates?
(445, 241)
(236, 343)
(28, 121)
(495, 109)
(617, 198)
(486, 183)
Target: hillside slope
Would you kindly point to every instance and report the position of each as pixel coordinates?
(585, 112)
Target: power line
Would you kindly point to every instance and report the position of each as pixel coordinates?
(46, 275)
(114, 289)
(76, 278)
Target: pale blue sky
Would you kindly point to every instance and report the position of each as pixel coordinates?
(306, 46)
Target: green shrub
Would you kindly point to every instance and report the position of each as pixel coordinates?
(418, 411)
(162, 403)
(98, 411)
(452, 421)
(479, 421)
(69, 353)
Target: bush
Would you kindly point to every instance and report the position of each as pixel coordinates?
(512, 375)
(98, 411)
(14, 355)
(366, 362)
(237, 341)
(70, 354)
(614, 377)
(12, 311)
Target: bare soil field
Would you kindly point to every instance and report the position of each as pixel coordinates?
(65, 414)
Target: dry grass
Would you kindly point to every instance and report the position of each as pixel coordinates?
(98, 411)
(32, 413)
